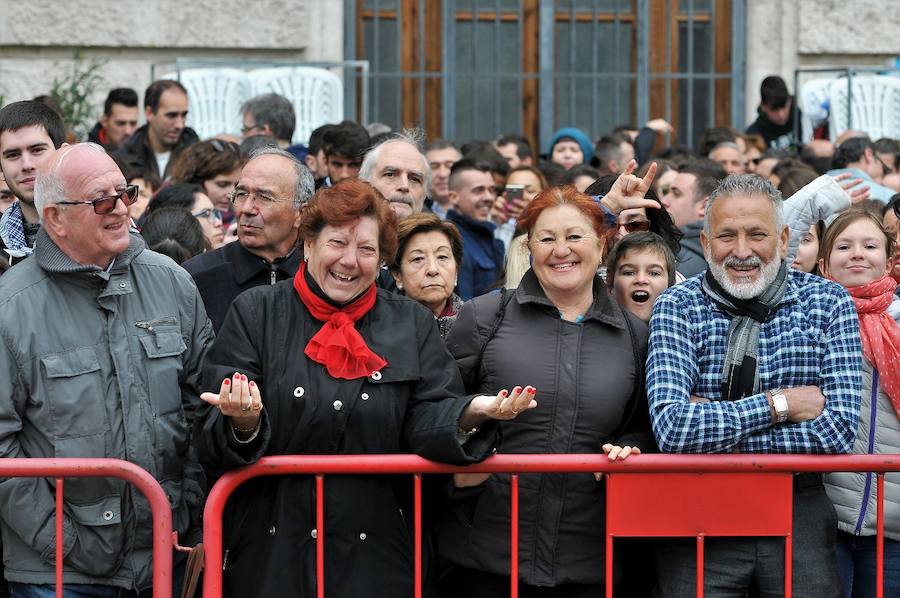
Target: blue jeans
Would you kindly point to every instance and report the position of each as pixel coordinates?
(72, 590)
(856, 565)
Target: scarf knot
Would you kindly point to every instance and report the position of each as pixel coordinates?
(338, 345)
(740, 375)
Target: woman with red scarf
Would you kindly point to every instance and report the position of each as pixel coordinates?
(329, 364)
(857, 252)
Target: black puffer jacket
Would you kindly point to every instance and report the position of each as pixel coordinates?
(412, 405)
(138, 154)
(589, 391)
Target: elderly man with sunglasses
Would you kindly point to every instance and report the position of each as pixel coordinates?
(102, 342)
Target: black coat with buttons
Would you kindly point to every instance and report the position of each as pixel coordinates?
(412, 405)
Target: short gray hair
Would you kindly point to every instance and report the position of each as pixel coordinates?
(746, 185)
(413, 137)
(273, 110)
(48, 186)
(305, 187)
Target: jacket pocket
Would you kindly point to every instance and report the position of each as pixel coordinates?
(99, 546)
(164, 348)
(75, 392)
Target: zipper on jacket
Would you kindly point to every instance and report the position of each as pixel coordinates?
(149, 324)
(273, 277)
(225, 560)
(868, 488)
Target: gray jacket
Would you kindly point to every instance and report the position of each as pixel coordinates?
(98, 364)
(855, 495)
(690, 259)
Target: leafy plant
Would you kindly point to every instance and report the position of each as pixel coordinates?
(74, 92)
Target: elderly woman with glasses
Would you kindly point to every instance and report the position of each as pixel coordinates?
(194, 200)
(327, 363)
(560, 331)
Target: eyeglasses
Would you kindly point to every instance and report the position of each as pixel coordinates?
(241, 196)
(227, 146)
(107, 204)
(246, 129)
(635, 226)
(209, 213)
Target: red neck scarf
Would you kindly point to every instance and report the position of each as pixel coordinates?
(880, 333)
(338, 345)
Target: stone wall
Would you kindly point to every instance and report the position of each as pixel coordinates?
(39, 38)
(783, 36)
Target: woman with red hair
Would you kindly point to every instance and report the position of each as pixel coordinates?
(559, 331)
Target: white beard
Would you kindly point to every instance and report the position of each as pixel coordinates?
(745, 289)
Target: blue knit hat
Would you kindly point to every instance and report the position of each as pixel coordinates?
(579, 136)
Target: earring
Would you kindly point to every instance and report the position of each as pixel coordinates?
(400, 286)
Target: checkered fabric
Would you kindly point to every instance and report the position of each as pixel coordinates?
(814, 339)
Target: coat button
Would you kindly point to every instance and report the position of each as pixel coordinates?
(376, 376)
(314, 533)
(298, 392)
(107, 515)
(338, 405)
(362, 535)
(364, 396)
(123, 285)
(272, 531)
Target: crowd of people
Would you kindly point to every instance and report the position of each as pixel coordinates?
(194, 305)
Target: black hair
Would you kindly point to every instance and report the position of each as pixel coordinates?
(156, 89)
(609, 147)
(712, 137)
(553, 172)
(523, 146)
(349, 139)
(440, 144)
(580, 170)
(29, 113)
(774, 92)
(708, 173)
(174, 232)
(850, 151)
(472, 146)
(489, 155)
(467, 164)
(120, 95)
(893, 205)
(174, 195)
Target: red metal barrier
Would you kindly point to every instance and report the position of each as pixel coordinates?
(163, 537)
(624, 488)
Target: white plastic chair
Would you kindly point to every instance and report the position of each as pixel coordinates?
(215, 97)
(874, 108)
(814, 105)
(317, 95)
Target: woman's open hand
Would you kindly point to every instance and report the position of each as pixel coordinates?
(238, 399)
(504, 405)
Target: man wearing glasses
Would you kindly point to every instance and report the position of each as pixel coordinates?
(857, 156)
(266, 204)
(110, 368)
(29, 134)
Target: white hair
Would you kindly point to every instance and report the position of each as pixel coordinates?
(412, 137)
(746, 185)
(48, 186)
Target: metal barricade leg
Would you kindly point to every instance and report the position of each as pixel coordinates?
(699, 565)
(59, 537)
(514, 539)
(417, 531)
(879, 541)
(788, 564)
(320, 536)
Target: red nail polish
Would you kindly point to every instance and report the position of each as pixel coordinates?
(503, 393)
(252, 383)
(227, 382)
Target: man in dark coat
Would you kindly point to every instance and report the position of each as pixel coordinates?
(267, 200)
(775, 120)
(153, 146)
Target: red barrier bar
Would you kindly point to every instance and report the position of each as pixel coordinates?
(110, 468)
(788, 564)
(879, 540)
(320, 536)
(514, 538)
(699, 566)
(521, 463)
(59, 537)
(417, 532)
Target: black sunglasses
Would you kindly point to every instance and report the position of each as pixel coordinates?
(636, 225)
(107, 204)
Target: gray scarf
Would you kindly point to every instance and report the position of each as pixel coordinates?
(740, 377)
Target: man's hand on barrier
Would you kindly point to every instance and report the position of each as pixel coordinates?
(239, 400)
(804, 403)
(504, 406)
(617, 453)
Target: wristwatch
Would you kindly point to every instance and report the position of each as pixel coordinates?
(779, 401)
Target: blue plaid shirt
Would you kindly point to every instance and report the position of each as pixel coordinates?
(813, 339)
